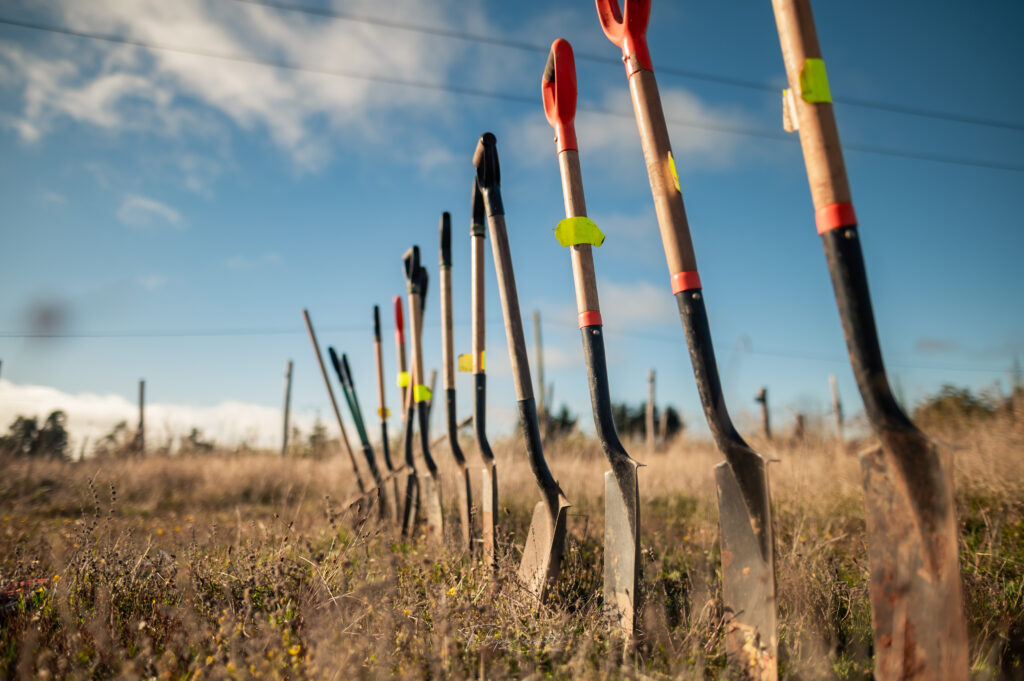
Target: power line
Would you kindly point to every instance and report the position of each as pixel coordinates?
(473, 92)
(601, 59)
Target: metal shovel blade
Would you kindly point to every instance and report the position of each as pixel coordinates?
(489, 514)
(465, 517)
(621, 547)
(748, 578)
(916, 608)
(430, 495)
(542, 555)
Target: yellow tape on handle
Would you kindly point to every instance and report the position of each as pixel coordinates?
(403, 379)
(672, 167)
(466, 361)
(421, 393)
(578, 230)
(814, 82)
(384, 414)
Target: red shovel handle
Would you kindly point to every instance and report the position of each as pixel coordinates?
(628, 29)
(558, 88)
(399, 320)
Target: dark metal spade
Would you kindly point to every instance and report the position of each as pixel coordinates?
(382, 410)
(464, 491)
(916, 594)
(429, 484)
(489, 487)
(545, 542)
(748, 572)
(334, 402)
(622, 496)
(348, 388)
(411, 503)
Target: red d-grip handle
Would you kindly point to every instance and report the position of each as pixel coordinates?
(558, 89)
(628, 30)
(399, 320)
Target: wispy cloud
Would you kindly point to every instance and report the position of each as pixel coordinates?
(249, 262)
(607, 138)
(143, 212)
(151, 282)
(120, 87)
(52, 197)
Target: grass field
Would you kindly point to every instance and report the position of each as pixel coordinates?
(238, 566)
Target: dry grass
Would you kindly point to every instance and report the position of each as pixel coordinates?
(240, 566)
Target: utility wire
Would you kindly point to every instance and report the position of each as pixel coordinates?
(508, 97)
(601, 59)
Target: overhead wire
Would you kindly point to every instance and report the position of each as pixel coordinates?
(602, 59)
(510, 97)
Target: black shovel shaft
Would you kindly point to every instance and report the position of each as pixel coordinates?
(447, 342)
(488, 175)
(382, 410)
(478, 231)
(480, 417)
(348, 387)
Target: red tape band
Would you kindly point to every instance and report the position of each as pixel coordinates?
(684, 281)
(590, 318)
(834, 216)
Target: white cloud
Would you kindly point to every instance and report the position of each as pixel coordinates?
(52, 197)
(93, 416)
(151, 282)
(640, 303)
(605, 138)
(121, 87)
(143, 212)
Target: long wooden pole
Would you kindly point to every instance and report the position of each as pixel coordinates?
(334, 402)
(142, 418)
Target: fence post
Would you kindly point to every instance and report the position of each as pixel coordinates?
(287, 407)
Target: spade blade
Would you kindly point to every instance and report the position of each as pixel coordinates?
(542, 555)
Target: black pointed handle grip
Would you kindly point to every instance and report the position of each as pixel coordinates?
(376, 323)
(478, 222)
(446, 239)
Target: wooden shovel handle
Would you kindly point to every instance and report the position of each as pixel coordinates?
(447, 343)
(558, 90)
(478, 231)
(819, 136)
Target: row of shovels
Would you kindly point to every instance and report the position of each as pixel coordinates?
(911, 528)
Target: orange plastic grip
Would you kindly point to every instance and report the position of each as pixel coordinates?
(834, 216)
(685, 281)
(558, 90)
(628, 30)
(590, 318)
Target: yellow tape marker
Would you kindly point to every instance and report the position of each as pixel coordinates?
(466, 361)
(579, 230)
(814, 82)
(421, 393)
(403, 379)
(385, 414)
(672, 167)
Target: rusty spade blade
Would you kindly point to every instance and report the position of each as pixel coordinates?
(744, 507)
(545, 542)
(579, 235)
(489, 478)
(916, 594)
(429, 484)
(464, 491)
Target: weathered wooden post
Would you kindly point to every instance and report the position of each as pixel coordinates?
(539, 350)
(142, 418)
(287, 407)
(837, 408)
(762, 399)
(649, 428)
(912, 540)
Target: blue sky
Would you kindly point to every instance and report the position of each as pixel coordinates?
(173, 213)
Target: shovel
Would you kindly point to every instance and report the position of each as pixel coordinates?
(545, 542)
(916, 596)
(348, 388)
(382, 410)
(429, 484)
(622, 496)
(334, 402)
(489, 488)
(411, 505)
(448, 360)
(748, 571)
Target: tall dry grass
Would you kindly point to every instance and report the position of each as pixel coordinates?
(250, 566)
